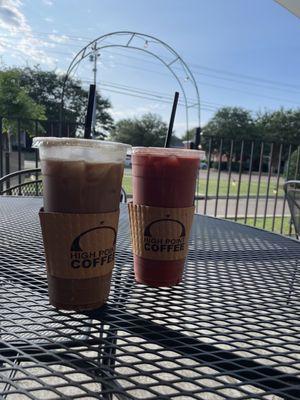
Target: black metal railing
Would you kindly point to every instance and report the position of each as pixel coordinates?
(243, 180)
(16, 139)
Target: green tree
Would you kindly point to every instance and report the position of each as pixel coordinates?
(46, 88)
(229, 123)
(149, 130)
(189, 135)
(176, 141)
(15, 102)
(281, 127)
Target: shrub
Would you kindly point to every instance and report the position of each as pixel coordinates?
(292, 173)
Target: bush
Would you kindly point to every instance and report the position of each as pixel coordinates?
(292, 173)
(223, 166)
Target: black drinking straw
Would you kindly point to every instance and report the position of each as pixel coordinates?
(170, 129)
(89, 112)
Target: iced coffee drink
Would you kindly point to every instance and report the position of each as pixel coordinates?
(82, 185)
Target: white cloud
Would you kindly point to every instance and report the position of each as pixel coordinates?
(30, 48)
(58, 38)
(11, 17)
(49, 19)
(60, 71)
(132, 112)
(19, 38)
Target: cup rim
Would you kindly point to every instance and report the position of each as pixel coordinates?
(64, 141)
(162, 151)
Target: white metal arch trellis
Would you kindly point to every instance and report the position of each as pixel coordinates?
(140, 42)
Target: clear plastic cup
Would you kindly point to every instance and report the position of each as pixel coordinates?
(163, 178)
(80, 176)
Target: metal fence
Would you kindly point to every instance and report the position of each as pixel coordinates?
(16, 138)
(240, 180)
(243, 181)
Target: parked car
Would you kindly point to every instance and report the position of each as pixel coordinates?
(203, 165)
(128, 160)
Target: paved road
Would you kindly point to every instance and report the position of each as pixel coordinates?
(242, 205)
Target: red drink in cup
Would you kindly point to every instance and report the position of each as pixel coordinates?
(163, 178)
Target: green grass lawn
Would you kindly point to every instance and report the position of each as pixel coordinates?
(127, 184)
(223, 185)
(269, 224)
(244, 186)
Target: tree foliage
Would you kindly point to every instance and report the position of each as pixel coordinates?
(189, 135)
(229, 123)
(46, 88)
(16, 102)
(36, 94)
(280, 125)
(149, 130)
(292, 169)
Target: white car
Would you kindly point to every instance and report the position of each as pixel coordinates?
(128, 160)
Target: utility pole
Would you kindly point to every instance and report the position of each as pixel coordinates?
(93, 58)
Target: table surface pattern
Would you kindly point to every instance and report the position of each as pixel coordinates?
(230, 330)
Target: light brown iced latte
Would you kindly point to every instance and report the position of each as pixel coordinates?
(84, 181)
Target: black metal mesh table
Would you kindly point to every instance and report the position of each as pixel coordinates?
(230, 331)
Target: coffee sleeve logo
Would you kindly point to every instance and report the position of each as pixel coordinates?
(165, 235)
(83, 253)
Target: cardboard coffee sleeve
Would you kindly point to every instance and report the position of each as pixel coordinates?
(79, 246)
(160, 233)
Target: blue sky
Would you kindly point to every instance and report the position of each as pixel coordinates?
(241, 52)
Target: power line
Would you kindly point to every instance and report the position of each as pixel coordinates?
(249, 77)
(150, 92)
(295, 92)
(206, 83)
(212, 85)
(141, 94)
(292, 91)
(219, 86)
(149, 98)
(203, 83)
(197, 66)
(156, 95)
(249, 93)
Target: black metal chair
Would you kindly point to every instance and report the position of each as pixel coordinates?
(292, 193)
(28, 182)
